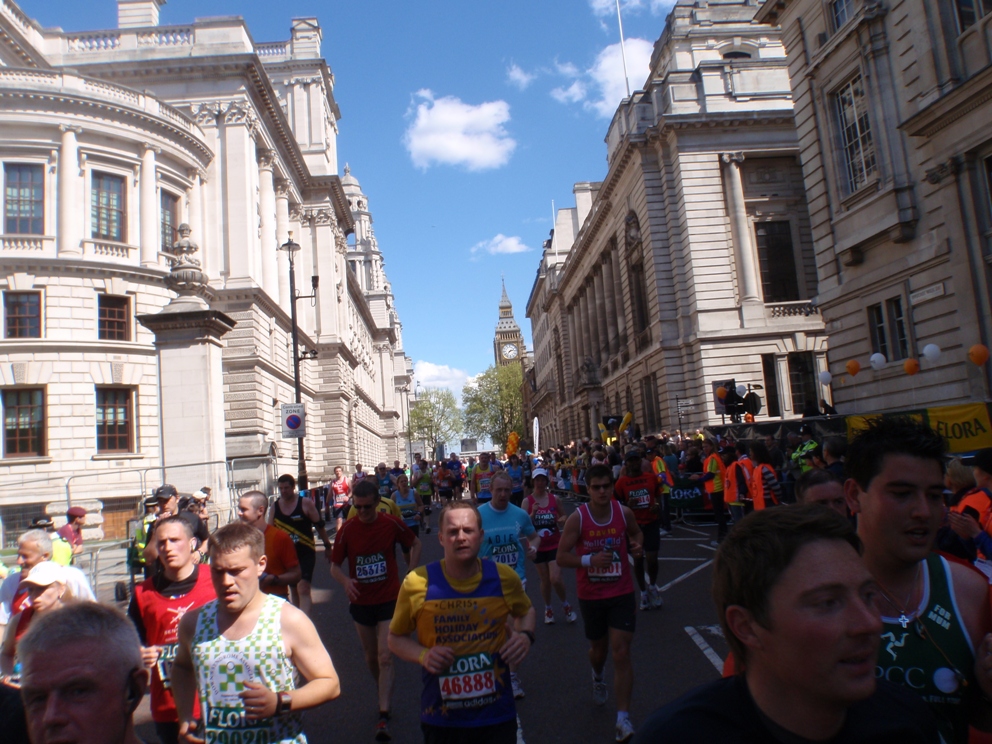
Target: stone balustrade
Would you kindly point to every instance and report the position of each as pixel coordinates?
(37, 246)
(801, 309)
(107, 250)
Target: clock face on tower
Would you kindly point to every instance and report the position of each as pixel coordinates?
(509, 351)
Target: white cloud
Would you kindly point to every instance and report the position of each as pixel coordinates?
(607, 73)
(447, 131)
(608, 7)
(433, 375)
(501, 244)
(567, 69)
(519, 77)
(601, 87)
(572, 94)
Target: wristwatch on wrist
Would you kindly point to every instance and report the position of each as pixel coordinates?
(530, 635)
(284, 703)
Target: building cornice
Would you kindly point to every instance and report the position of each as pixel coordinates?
(949, 108)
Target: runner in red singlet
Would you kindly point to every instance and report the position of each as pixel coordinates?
(600, 532)
(340, 490)
(545, 512)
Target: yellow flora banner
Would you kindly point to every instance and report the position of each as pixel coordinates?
(965, 427)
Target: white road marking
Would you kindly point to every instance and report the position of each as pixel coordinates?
(712, 655)
(695, 532)
(684, 576)
(708, 547)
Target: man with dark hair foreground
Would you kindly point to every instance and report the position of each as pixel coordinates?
(935, 613)
(82, 676)
(255, 659)
(796, 605)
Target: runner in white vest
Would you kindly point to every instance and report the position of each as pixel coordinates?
(244, 653)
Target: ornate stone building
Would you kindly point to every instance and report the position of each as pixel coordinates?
(894, 113)
(691, 263)
(111, 139)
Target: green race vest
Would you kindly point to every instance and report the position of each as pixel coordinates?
(912, 656)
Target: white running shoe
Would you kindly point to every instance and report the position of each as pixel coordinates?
(600, 692)
(549, 616)
(645, 601)
(625, 730)
(518, 691)
(520, 732)
(655, 597)
(570, 616)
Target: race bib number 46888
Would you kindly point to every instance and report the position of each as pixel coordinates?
(469, 677)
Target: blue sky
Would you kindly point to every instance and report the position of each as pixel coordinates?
(463, 121)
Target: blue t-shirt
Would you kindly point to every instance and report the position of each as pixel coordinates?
(517, 476)
(503, 530)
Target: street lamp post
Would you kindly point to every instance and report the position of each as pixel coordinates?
(291, 248)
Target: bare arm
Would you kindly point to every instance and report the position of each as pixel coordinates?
(183, 676)
(7, 651)
(569, 537)
(633, 532)
(349, 584)
(310, 510)
(415, 553)
(435, 659)
(311, 660)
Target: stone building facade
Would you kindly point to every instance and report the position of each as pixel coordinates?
(894, 115)
(691, 263)
(111, 139)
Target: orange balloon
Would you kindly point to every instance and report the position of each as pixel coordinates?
(721, 392)
(853, 367)
(978, 354)
(911, 367)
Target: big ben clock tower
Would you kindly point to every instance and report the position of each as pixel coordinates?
(508, 345)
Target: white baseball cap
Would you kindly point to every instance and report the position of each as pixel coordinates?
(44, 574)
(538, 471)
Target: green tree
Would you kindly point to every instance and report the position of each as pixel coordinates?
(493, 404)
(434, 418)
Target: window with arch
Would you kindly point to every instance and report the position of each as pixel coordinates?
(635, 272)
(736, 54)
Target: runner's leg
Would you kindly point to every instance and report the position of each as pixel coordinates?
(387, 673)
(544, 575)
(556, 582)
(369, 638)
(623, 670)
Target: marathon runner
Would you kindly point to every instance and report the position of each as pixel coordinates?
(396, 471)
(246, 653)
(503, 525)
(639, 490)
(297, 516)
(454, 465)
(451, 619)
(156, 608)
(601, 532)
(424, 484)
(282, 564)
(935, 613)
(547, 517)
(359, 475)
(339, 496)
(383, 480)
(410, 504)
(480, 480)
(372, 583)
(516, 472)
(444, 482)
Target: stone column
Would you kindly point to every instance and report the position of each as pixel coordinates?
(784, 383)
(282, 235)
(70, 186)
(744, 255)
(190, 376)
(602, 312)
(585, 347)
(267, 215)
(573, 345)
(195, 216)
(594, 343)
(151, 224)
(611, 303)
(618, 289)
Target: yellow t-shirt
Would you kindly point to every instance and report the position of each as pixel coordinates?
(414, 590)
(386, 506)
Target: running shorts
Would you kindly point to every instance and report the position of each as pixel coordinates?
(652, 536)
(497, 733)
(546, 556)
(308, 559)
(372, 615)
(599, 615)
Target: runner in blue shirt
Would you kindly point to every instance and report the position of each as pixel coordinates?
(503, 524)
(516, 472)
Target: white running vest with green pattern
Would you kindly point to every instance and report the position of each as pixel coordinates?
(222, 668)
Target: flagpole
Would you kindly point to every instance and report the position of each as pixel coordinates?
(623, 52)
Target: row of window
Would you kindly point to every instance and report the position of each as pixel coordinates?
(25, 431)
(22, 315)
(24, 205)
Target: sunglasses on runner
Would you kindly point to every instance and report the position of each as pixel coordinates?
(365, 507)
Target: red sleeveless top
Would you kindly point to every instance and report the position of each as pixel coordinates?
(615, 580)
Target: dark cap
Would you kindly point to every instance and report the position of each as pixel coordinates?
(76, 511)
(42, 523)
(151, 501)
(633, 455)
(165, 492)
(983, 460)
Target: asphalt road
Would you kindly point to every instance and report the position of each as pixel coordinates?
(675, 649)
